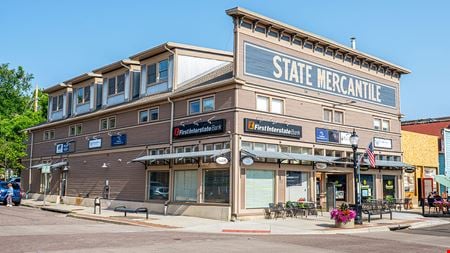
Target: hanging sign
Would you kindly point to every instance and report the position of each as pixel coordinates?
(95, 143)
(221, 160)
(118, 140)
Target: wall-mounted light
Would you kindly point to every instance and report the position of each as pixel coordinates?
(196, 122)
(105, 165)
(209, 120)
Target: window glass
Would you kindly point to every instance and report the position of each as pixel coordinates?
(52, 135)
(80, 93)
(208, 104)
(367, 187)
(163, 69)
(247, 145)
(71, 130)
(338, 117)
(120, 83)
(112, 122)
(154, 114)
(158, 185)
(273, 33)
(216, 186)
(194, 106)
(259, 188)
(340, 181)
(151, 73)
(54, 103)
(377, 124)
(385, 125)
(259, 146)
(260, 29)
(277, 106)
(389, 185)
(246, 25)
(103, 124)
(111, 86)
(185, 188)
(262, 103)
(78, 129)
(327, 115)
(143, 116)
(87, 94)
(296, 185)
(60, 102)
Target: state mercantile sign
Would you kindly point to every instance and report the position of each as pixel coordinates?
(275, 66)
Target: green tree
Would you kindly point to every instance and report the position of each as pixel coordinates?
(17, 114)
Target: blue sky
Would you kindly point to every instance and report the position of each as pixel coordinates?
(57, 40)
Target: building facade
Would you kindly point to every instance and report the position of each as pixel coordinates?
(421, 151)
(219, 134)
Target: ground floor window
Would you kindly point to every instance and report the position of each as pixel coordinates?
(259, 188)
(216, 185)
(367, 187)
(296, 185)
(389, 186)
(340, 181)
(185, 186)
(158, 185)
(409, 182)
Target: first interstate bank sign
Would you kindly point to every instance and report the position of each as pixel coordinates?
(271, 65)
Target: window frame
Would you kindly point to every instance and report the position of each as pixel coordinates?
(333, 118)
(83, 97)
(201, 104)
(75, 127)
(48, 135)
(108, 123)
(381, 120)
(270, 104)
(157, 72)
(148, 111)
(58, 98)
(116, 84)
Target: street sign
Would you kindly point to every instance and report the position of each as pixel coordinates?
(46, 168)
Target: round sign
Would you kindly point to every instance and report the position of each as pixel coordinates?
(221, 160)
(321, 166)
(247, 161)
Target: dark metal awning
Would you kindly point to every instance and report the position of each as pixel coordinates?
(207, 153)
(58, 165)
(287, 156)
(384, 163)
(39, 166)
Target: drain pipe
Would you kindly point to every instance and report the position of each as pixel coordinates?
(171, 124)
(31, 162)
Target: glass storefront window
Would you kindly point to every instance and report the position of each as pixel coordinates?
(389, 186)
(259, 188)
(340, 182)
(216, 184)
(367, 187)
(158, 185)
(296, 185)
(185, 186)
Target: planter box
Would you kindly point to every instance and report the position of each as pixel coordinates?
(350, 224)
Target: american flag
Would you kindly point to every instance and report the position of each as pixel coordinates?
(371, 155)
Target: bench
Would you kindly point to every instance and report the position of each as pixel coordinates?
(376, 208)
(126, 210)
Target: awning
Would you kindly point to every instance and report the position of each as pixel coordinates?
(287, 156)
(210, 153)
(443, 180)
(39, 166)
(58, 165)
(384, 163)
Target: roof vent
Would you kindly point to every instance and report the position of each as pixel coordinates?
(353, 42)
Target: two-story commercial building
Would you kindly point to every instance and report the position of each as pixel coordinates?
(223, 134)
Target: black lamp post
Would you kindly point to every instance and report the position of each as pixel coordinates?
(354, 141)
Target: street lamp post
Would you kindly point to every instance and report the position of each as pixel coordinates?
(354, 141)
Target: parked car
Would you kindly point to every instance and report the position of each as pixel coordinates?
(17, 197)
(15, 180)
(158, 190)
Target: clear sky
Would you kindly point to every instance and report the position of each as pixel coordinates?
(57, 40)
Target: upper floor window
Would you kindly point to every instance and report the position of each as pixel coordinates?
(335, 116)
(116, 85)
(269, 104)
(158, 72)
(75, 130)
(83, 95)
(107, 123)
(57, 103)
(381, 124)
(49, 135)
(260, 29)
(206, 104)
(149, 115)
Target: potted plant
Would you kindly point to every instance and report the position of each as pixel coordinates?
(343, 216)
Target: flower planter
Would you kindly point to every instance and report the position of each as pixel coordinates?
(350, 224)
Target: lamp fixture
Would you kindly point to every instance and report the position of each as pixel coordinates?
(196, 122)
(105, 165)
(209, 120)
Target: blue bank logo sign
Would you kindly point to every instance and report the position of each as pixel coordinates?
(275, 66)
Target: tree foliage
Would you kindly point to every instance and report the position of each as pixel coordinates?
(17, 114)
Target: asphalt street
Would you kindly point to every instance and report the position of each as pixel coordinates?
(26, 229)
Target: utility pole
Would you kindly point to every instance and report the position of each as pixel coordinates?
(36, 98)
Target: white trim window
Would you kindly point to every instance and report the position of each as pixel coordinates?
(269, 104)
(57, 103)
(83, 95)
(116, 85)
(201, 105)
(75, 130)
(381, 124)
(333, 116)
(157, 72)
(148, 115)
(49, 135)
(108, 123)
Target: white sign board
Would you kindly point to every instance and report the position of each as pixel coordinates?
(382, 143)
(45, 169)
(95, 143)
(446, 134)
(345, 138)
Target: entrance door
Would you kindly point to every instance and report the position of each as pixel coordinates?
(296, 186)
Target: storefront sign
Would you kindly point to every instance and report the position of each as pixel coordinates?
(345, 138)
(272, 128)
(247, 161)
(95, 143)
(221, 160)
(446, 148)
(327, 135)
(66, 147)
(275, 66)
(118, 140)
(382, 143)
(201, 128)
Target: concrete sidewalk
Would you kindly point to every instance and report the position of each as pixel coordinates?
(310, 225)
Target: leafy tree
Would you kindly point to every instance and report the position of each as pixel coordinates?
(16, 114)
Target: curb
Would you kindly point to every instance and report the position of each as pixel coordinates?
(119, 222)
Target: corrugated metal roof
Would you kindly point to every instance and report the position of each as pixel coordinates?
(210, 153)
(288, 156)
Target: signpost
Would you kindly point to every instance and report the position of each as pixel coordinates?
(45, 170)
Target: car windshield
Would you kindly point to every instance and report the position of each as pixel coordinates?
(4, 185)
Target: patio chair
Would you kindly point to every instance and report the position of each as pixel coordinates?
(281, 210)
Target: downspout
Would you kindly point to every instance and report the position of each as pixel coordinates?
(171, 125)
(31, 161)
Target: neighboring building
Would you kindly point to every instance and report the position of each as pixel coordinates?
(432, 126)
(218, 134)
(421, 151)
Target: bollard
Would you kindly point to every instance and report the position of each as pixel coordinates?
(166, 206)
(97, 202)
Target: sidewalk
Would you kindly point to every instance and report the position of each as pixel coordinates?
(310, 225)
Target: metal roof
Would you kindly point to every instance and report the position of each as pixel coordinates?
(288, 156)
(211, 153)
